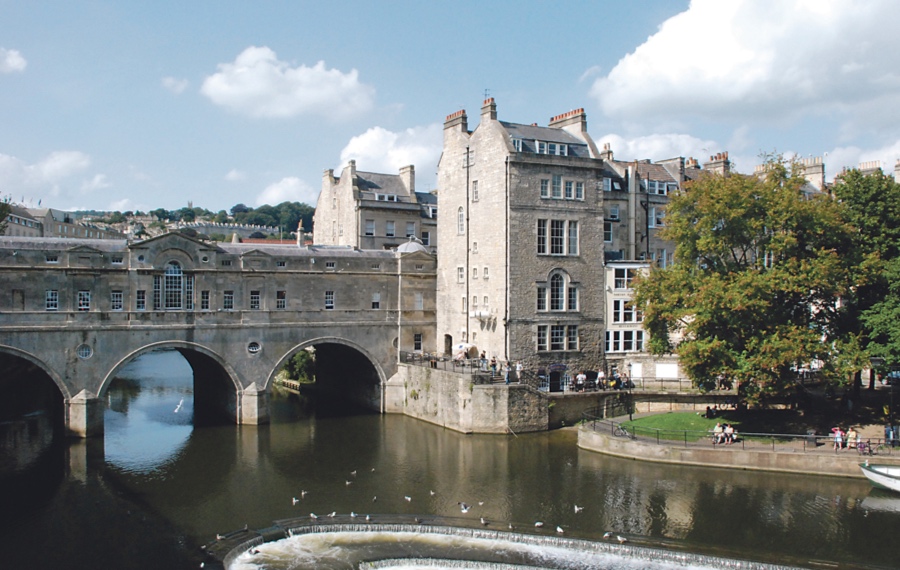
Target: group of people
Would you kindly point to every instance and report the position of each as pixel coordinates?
(845, 440)
(495, 366)
(616, 381)
(724, 434)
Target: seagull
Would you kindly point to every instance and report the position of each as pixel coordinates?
(480, 503)
(464, 507)
(352, 515)
(559, 529)
(511, 527)
(408, 498)
(484, 522)
(178, 407)
(578, 509)
(375, 498)
(303, 494)
(294, 500)
(607, 534)
(332, 514)
(621, 539)
(219, 537)
(431, 493)
(539, 524)
(254, 552)
(368, 518)
(313, 516)
(353, 473)
(348, 483)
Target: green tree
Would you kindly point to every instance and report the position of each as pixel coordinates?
(755, 285)
(4, 212)
(301, 367)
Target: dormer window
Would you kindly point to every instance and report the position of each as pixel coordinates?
(517, 144)
(386, 197)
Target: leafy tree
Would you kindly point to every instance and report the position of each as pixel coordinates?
(160, 214)
(221, 217)
(755, 286)
(4, 212)
(239, 209)
(301, 367)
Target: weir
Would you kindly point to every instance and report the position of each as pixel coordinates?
(382, 545)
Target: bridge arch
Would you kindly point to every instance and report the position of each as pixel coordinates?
(25, 355)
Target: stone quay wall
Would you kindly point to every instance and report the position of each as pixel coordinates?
(456, 401)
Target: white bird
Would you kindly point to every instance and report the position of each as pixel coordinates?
(178, 407)
(313, 516)
(219, 537)
(352, 515)
(368, 518)
(431, 493)
(294, 500)
(559, 529)
(348, 483)
(539, 524)
(303, 494)
(511, 527)
(607, 534)
(375, 498)
(353, 473)
(408, 498)
(578, 509)
(332, 514)
(484, 522)
(621, 539)
(464, 507)
(480, 503)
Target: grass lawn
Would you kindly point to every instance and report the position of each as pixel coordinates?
(673, 425)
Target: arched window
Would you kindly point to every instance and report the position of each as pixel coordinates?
(460, 221)
(557, 292)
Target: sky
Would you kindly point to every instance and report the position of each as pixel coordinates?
(126, 105)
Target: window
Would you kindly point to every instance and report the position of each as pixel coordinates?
(330, 264)
(545, 187)
(484, 301)
(624, 277)
(657, 215)
(625, 312)
(460, 274)
(517, 145)
(84, 301)
(556, 292)
(474, 302)
(542, 337)
(329, 300)
(557, 337)
(460, 221)
(607, 232)
(570, 189)
(281, 300)
(376, 300)
(341, 229)
(624, 341)
(474, 247)
(410, 229)
(173, 286)
(557, 186)
(254, 300)
(579, 190)
(542, 237)
(51, 300)
(474, 190)
(572, 301)
(370, 228)
(417, 342)
(389, 228)
(661, 257)
(557, 244)
(204, 300)
(613, 212)
(226, 263)
(117, 259)
(607, 184)
(52, 258)
(541, 298)
(572, 337)
(426, 238)
(228, 301)
(541, 147)
(485, 273)
(281, 263)
(551, 148)
(419, 302)
(474, 273)
(375, 266)
(140, 300)
(464, 305)
(573, 238)
(386, 197)
(116, 301)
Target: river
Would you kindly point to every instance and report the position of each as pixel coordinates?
(155, 488)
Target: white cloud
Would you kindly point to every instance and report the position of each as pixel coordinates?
(659, 146)
(98, 182)
(381, 150)
(235, 175)
(11, 60)
(44, 177)
(176, 86)
(770, 60)
(258, 84)
(289, 189)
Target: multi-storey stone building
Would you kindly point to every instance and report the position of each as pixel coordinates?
(374, 211)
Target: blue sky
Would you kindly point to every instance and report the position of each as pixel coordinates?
(136, 105)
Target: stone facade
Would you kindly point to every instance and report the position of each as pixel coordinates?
(374, 211)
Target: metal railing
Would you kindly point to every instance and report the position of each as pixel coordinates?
(809, 442)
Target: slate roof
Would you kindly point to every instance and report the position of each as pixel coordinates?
(381, 183)
(529, 133)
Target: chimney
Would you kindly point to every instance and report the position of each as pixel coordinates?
(607, 153)
(870, 167)
(719, 164)
(408, 178)
(458, 118)
(814, 171)
(575, 118)
(489, 110)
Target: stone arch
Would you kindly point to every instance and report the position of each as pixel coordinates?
(382, 377)
(63, 388)
(174, 344)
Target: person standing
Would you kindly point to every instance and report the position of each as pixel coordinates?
(580, 379)
(506, 370)
(519, 371)
(601, 379)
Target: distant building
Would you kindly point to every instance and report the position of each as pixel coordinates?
(57, 223)
(368, 210)
(21, 222)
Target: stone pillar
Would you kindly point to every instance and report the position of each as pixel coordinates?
(254, 405)
(84, 417)
(85, 456)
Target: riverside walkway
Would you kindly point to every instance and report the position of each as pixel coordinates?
(791, 453)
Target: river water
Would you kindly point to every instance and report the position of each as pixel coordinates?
(155, 488)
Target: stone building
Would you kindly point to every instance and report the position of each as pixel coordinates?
(57, 223)
(520, 271)
(368, 210)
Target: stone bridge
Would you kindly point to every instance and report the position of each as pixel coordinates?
(77, 311)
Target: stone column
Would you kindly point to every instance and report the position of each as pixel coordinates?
(254, 405)
(84, 416)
